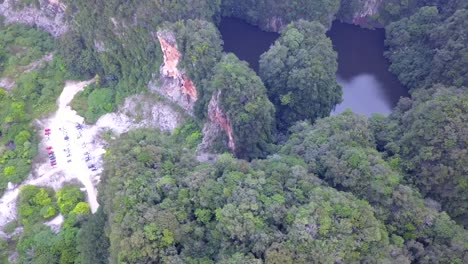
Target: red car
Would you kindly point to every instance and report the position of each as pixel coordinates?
(49, 148)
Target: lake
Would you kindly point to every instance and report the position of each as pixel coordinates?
(246, 41)
(368, 86)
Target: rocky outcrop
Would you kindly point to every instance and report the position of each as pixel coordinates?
(140, 111)
(174, 84)
(217, 123)
(361, 12)
(367, 9)
(275, 24)
(49, 15)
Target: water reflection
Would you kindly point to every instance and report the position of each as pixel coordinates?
(368, 86)
(361, 93)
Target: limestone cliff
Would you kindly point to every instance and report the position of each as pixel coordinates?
(361, 12)
(174, 83)
(49, 15)
(140, 111)
(218, 123)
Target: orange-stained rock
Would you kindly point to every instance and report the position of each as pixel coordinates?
(174, 83)
(171, 58)
(189, 88)
(217, 116)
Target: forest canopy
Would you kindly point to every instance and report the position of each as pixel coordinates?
(283, 182)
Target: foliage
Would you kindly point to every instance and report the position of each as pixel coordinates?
(3, 251)
(80, 60)
(229, 211)
(430, 140)
(393, 10)
(246, 105)
(396, 9)
(36, 204)
(424, 49)
(201, 46)
(36, 86)
(273, 14)
(21, 45)
(299, 72)
(117, 40)
(340, 149)
(92, 242)
(188, 134)
(68, 198)
(38, 243)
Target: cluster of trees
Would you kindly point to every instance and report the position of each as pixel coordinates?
(244, 101)
(341, 189)
(117, 40)
(35, 88)
(38, 243)
(428, 53)
(426, 48)
(164, 206)
(299, 72)
(427, 135)
(272, 15)
(393, 10)
(341, 150)
(169, 208)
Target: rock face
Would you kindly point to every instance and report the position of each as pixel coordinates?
(367, 9)
(174, 84)
(361, 12)
(49, 15)
(217, 123)
(140, 111)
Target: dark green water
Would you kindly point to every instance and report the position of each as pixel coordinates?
(368, 86)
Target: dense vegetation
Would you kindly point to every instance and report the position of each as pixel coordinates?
(299, 72)
(393, 10)
(427, 135)
(422, 46)
(38, 243)
(35, 85)
(274, 14)
(245, 103)
(228, 212)
(341, 189)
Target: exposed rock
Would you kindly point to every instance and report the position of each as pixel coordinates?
(7, 83)
(56, 223)
(99, 46)
(174, 83)
(275, 24)
(217, 122)
(368, 8)
(141, 111)
(361, 12)
(49, 16)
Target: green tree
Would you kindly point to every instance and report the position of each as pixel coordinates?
(340, 149)
(425, 49)
(430, 141)
(68, 198)
(92, 242)
(272, 15)
(246, 105)
(35, 204)
(299, 73)
(100, 101)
